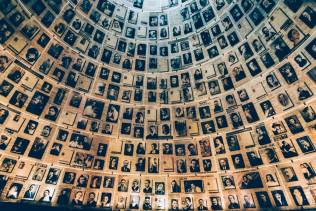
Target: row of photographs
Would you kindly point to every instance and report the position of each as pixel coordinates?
(186, 57)
(263, 188)
(129, 127)
(164, 162)
(114, 16)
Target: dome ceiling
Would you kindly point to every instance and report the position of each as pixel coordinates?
(157, 104)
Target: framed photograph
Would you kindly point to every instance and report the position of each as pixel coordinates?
(284, 100)
(20, 145)
(37, 103)
(53, 176)
(45, 194)
(14, 190)
(228, 182)
(38, 148)
(287, 148)
(289, 174)
(7, 165)
(31, 192)
(301, 61)
(248, 201)
(307, 16)
(271, 180)
(39, 172)
(306, 145)
(250, 180)
(193, 186)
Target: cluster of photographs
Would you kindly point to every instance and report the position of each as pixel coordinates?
(214, 97)
(253, 189)
(168, 41)
(203, 105)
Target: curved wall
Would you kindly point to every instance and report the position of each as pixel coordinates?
(162, 105)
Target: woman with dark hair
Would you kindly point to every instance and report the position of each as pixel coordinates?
(188, 204)
(236, 120)
(272, 81)
(270, 180)
(52, 113)
(175, 188)
(106, 199)
(294, 36)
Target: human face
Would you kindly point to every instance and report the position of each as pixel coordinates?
(81, 180)
(174, 204)
(105, 199)
(295, 35)
(231, 198)
(32, 188)
(269, 178)
(235, 118)
(91, 196)
(52, 112)
(278, 196)
(46, 193)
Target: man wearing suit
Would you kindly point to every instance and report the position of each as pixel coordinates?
(279, 198)
(125, 167)
(91, 202)
(289, 174)
(147, 205)
(201, 205)
(147, 188)
(123, 186)
(30, 193)
(216, 203)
